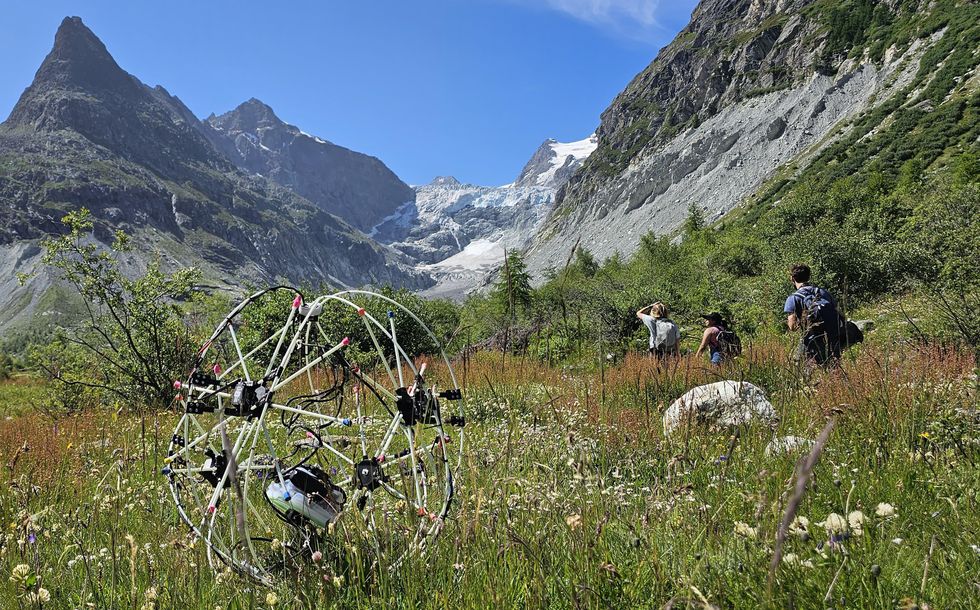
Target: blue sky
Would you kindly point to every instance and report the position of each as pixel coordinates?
(431, 87)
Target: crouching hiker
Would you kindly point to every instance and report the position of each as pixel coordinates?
(665, 337)
(718, 339)
(813, 311)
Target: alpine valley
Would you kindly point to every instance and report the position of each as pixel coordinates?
(243, 196)
(750, 99)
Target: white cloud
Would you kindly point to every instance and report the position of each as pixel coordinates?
(642, 13)
(637, 19)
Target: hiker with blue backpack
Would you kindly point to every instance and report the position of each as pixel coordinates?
(813, 311)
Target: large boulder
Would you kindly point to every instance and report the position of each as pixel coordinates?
(720, 404)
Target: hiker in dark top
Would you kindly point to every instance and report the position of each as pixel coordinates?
(813, 311)
(665, 337)
(714, 324)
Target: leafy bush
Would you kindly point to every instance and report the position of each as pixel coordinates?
(133, 341)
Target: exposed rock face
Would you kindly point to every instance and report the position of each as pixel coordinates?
(87, 134)
(744, 89)
(356, 187)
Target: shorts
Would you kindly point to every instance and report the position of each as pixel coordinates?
(716, 358)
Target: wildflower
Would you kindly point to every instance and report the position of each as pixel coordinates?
(856, 521)
(271, 599)
(800, 527)
(791, 559)
(338, 581)
(43, 595)
(897, 541)
(317, 556)
(744, 529)
(20, 572)
(885, 510)
(834, 524)
(151, 593)
(574, 521)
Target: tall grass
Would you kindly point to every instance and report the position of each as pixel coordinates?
(571, 497)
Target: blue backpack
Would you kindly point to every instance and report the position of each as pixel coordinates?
(816, 307)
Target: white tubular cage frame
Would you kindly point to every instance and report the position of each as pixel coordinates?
(392, 460)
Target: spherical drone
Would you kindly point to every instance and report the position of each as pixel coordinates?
(309, 422)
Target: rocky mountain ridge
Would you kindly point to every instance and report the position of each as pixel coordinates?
(749, 92)
(88, 134)
(354, 186)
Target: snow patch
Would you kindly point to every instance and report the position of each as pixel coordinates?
(567, 153)
(478, 255)
(400, 218)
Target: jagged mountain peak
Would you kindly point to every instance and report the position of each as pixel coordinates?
(249, 115)
(78, 57)
(78, 62)
(445, 181)
(553, 163)
(355, 186)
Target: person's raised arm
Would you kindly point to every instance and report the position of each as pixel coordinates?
(643, 311)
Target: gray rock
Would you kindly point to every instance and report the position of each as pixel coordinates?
(722, 404)
(864, 325)
(776, 128)
(788, 444)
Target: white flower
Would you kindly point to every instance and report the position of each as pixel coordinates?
(271, 599)
(791, 559)
(856, 522)
(574, 521)
(20, 572)
(885, 510)
(317, 556)
(834, 524)
(744, 529)
(43, 595)
(897, 541)
(799, 527)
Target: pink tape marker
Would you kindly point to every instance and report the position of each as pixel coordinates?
(177, 385)
(297, 302)
(345, 341)
(360, 311)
